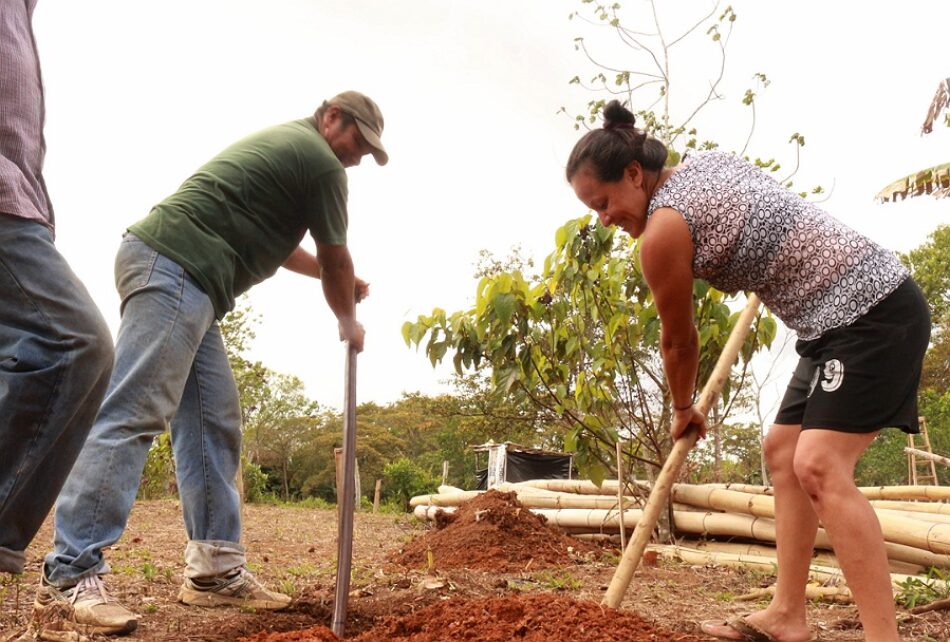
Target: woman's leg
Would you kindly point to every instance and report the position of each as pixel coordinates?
(824, 463)
(795, 526)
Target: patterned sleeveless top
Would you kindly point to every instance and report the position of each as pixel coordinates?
(750, 233)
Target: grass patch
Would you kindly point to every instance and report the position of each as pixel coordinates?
(305, 569)
(562, 581)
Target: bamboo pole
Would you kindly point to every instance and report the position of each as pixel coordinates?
(527, 495)
(924, 535)
(912, 555)
(528, 501)
(597, 537)
(584, 486)
(917, 531)
(933, 518)
(916, 507)
(760, 529)
(820, 557)
(623, 530)
(824, 574)
(725, 500)
(927, 493)
(836, 594)
(743, 488)
(923, 453)
(828, 575)
(664, 482)
(931, 493)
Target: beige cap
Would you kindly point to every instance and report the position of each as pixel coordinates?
(368, 118)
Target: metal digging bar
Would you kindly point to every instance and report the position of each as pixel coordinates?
(664, 481)
(344, 548)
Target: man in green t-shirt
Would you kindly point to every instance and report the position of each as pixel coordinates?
(232, 224)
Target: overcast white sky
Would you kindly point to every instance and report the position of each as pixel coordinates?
(139, 94)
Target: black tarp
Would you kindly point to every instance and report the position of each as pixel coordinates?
(522, 466)
(525, 466)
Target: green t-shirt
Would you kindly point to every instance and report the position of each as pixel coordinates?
(236, 220)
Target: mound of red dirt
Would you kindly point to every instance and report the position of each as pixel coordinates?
(313, 634)
(492, 532)
(540, 617)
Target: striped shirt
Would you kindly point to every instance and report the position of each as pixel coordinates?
(751, 233)
(22, 146)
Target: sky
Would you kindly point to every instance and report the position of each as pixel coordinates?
(140, 94)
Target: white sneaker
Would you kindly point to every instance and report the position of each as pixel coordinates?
(85, 608)
(239, 589)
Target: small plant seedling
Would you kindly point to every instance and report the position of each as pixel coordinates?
(287, 587)
(150, 571)
(915, 591)
(558, 582)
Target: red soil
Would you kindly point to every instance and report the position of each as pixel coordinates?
(539, 617)
(493, 532)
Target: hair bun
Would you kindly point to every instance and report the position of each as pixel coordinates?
(616, 116)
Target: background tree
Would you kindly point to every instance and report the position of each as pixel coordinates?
(277, 416)
(279, 425)
(885, 462)
(635, 56)
(405, 479)
(580, 341)
(581, 344)
(314, 468)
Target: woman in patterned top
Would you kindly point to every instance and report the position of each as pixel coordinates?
(862, 323)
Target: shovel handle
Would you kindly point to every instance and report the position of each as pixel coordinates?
(344, 555)
(663, 486)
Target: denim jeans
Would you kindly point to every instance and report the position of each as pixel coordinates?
(170, 368)
(55, 359)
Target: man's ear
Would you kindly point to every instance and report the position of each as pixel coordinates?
(330, 115)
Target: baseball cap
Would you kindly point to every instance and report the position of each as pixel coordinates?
(368, 118)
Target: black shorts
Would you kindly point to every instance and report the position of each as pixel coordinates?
(864, 376)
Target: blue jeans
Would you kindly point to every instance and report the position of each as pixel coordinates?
(170, 367)
(55, 358)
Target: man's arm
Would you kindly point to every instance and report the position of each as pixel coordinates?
(666, 257)
(339, 286)
(303, 262)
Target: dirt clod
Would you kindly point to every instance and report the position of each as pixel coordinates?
(493, 532)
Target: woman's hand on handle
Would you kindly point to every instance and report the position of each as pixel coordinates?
(686, 418)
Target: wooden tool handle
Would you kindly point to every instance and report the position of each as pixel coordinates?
(671, 469)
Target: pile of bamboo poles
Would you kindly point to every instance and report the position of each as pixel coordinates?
(711, 520)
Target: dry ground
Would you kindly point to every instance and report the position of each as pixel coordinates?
(294, 550)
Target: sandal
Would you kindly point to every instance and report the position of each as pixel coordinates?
(745, 631)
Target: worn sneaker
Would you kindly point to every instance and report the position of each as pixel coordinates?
(85, 608)
(238, 589)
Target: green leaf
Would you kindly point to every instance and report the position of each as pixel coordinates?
(504, 305)
(596, 472)
(768, 328)
(560, 237)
